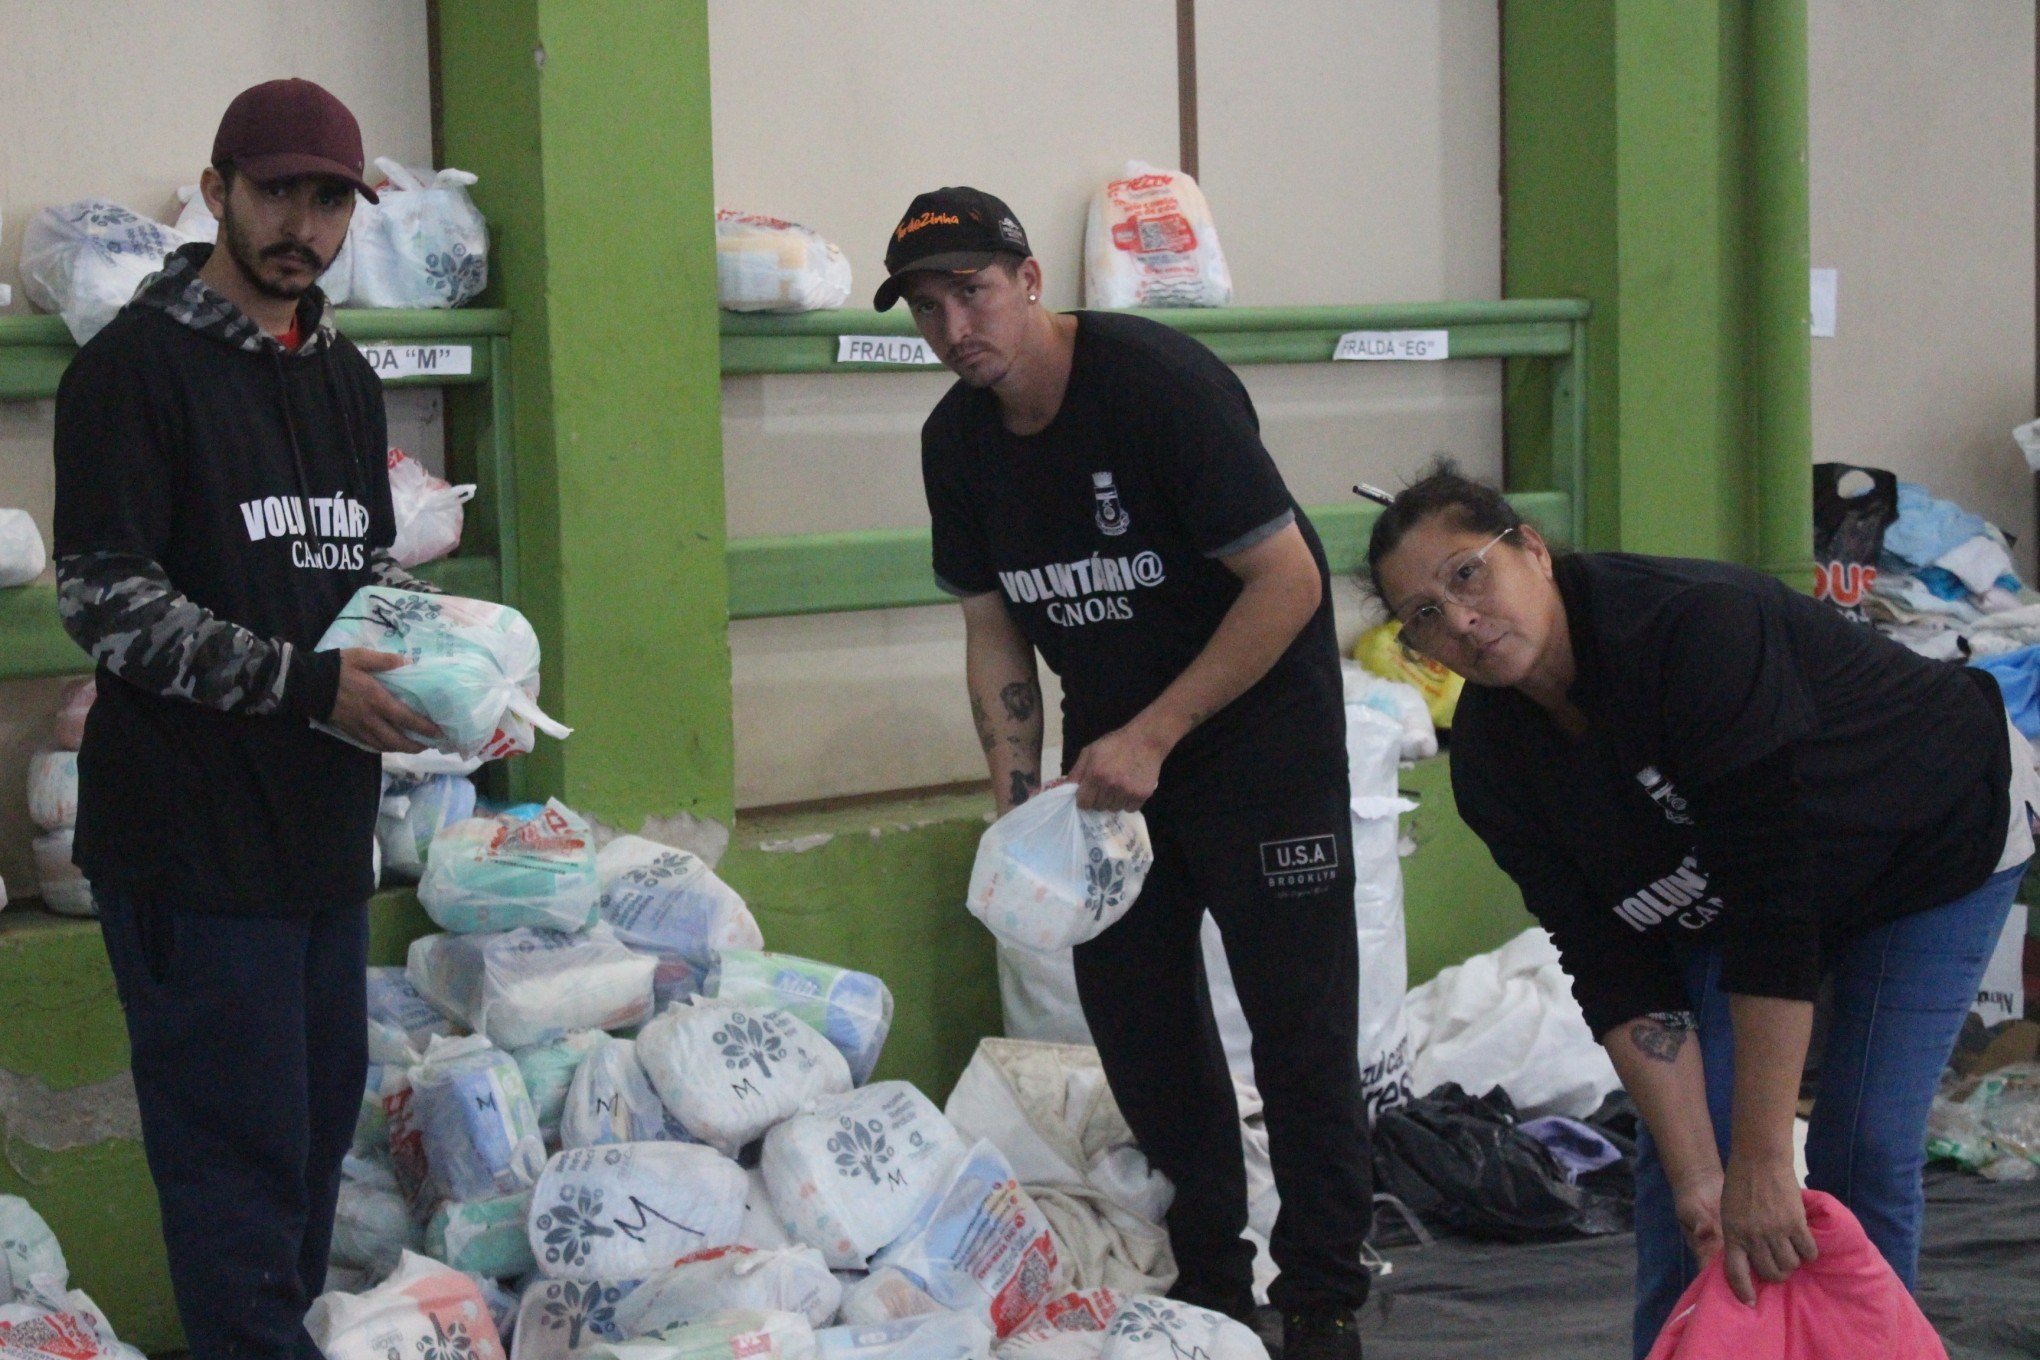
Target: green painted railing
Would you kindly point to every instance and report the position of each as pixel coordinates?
(889, 568)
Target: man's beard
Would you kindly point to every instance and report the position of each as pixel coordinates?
(250, 261)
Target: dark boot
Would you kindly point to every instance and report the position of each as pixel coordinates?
(1324, 1332)
(1267, 1324)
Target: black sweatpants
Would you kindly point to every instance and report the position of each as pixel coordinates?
(1279, 881)
(249, 1038)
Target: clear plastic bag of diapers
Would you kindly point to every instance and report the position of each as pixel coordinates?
(981, 1245)
(429, 511)
(1069, 1327)
(22, 557)
(423, 1309)
(470, 666)
(885, 1295)
(559, 1319)
(424, 245)
(53, 789)
(935, 1336)
(668, 901)
(479, 1130)
(629, 1210)
(84, 260)
(1150, 1328)
(372, 1225)
(732, 1334)
(1150, 241)
(64, 887)
(549, 1070)
(46, 1322)
(527, 986)
(852, 1010)
(73, 707)
(1050, 875)
(763, 264)
(850, 1173)
(790, 1280)
(502, 1306)
(730, 1072)
(525, 866)
(413, 813)
(612, 1101)
(27, 1246)
(399, 1020)
(483, 1236)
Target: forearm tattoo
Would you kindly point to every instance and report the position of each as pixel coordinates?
(1022, 699)
(1025, 785)
(983, 720)
(1661, 1035)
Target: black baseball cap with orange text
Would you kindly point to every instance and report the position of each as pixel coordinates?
(956, 231)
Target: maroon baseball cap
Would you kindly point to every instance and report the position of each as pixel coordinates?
(282, 129)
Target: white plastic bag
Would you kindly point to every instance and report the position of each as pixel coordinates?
(850, 1173)
(935, 1336)
(549, 1070)
(399, 1019)
(524, 987)
(428, 511)
(413, 813)
(470, 666)
(733, 1334)
(1050, 875)
(1069, 1327)
(424, 1309)
(1147, 1328)
(885, 1295)
(85, 260)
(372, 1225)
(1150, 242)
(1038, 996)
(762, 1230)
(792, 1280)
(1394, 699)
(625, 1211)
(765, 265)
(69, 729)
(668, 901)
(28, 1246)
(65, 890)
(612, 1101)
(483, 1236)
(21, 548)
(525, 866)
(852, 1010)
(53, 789)
(2001, 996)
(46, 1323)
(559, 1319)
(981, 1246)
(480, 1132)
(424, 245)
(730, 1072)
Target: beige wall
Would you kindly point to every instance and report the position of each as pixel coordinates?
(1349, 154)
(1922, 168)
(119, 99)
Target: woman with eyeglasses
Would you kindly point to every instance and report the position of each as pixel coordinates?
(1714, 792)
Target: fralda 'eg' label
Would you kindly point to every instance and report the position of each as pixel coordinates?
(1394, 345)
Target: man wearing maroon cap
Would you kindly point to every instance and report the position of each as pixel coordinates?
(221, 494)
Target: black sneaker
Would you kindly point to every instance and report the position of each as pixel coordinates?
(1327, 1332)
(1266, 1323)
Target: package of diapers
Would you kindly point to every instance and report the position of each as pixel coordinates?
(484, 1236)
(667, 901)
(630, 1210)
(852, 1010)
(935, 1336)
(524, 987)
(1150, 241)
(885, 1295)
(981, 1245)
(1050, 875)
(731, 1072)
(413, 813)
(525, 866)
(612, 1101)
(479, 1130)
(763, 264)
(561, 1319)
(53, 789)
(423, 1309)
(790, 1280)
(549, 1070)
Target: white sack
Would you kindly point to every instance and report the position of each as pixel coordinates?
(524, 866)
(28, 1246)
(612, 1101)
(792, 1280)
(428, 511)
(730, 1072)
(1147, 1328)
(624, 1211)
(46, 1323)
(479, 1129)
(1069, 1327)
(1050, 875)
(558, 1319)
(981, 1246)
(762, 1230)
(64, 888)
(524, 987)
(1393, 699)
(425, 1307)
(22, 557)
(668, 901)
(852, 1010)
(84, 260)
(851, 1172)
(763, 264)
(936, 1336)
(424, 245)
(53, 789)
(1149, 241)
(549, 1070)
(413, 813)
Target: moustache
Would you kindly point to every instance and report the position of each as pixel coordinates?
(298, 253)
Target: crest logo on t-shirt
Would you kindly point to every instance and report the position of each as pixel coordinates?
(1111, 517)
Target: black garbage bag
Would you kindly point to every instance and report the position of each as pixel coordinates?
(1461, 1165)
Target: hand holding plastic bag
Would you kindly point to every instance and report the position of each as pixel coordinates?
(1050, 875)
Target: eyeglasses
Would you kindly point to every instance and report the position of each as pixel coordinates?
(1467, 584)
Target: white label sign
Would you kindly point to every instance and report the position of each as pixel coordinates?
(1824, 281)
(1394, 345)
(883, 349)
(420, 361)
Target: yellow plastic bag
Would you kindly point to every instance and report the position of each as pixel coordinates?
(1380, 652)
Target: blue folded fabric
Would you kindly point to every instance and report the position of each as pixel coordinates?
(2018, 675)
(1927, 526)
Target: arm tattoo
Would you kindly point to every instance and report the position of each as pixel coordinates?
(1661, 1035)
(1022, 699)
(1025, 785)
(983, 722)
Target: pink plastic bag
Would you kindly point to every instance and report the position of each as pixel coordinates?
(1843, 1306)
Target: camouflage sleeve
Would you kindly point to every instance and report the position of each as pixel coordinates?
(384, 571)
(123, 610)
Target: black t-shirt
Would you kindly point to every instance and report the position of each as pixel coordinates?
(259, 483)
(1698, 678)
(1104, 533)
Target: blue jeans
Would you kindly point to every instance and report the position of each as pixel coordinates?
(249, 1042)
(1900, 995)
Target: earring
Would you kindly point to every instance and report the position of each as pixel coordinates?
(1032, 298)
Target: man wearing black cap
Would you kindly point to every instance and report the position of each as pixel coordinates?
(1099, 492)
(221, 492)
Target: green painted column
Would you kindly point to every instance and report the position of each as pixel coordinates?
(1654, 163)
(589, 127)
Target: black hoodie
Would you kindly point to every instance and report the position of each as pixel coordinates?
(219, 499)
